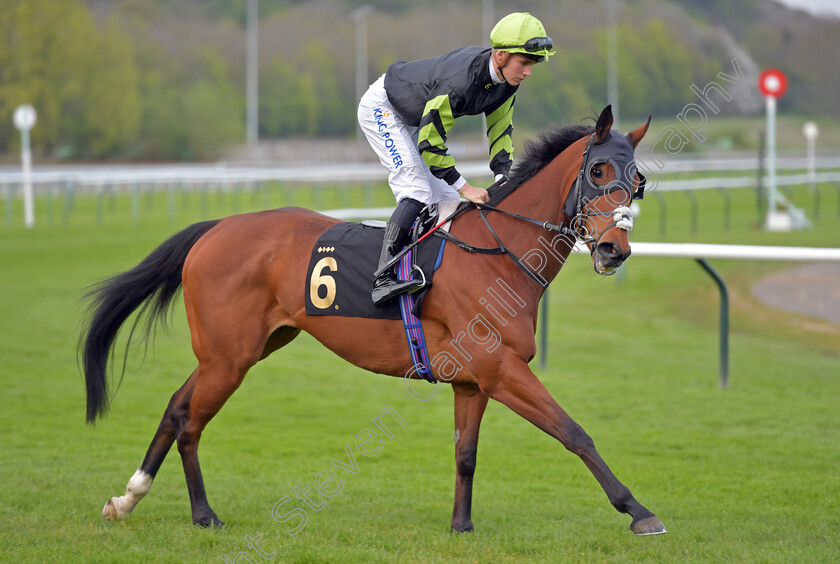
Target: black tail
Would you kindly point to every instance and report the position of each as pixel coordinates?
(153, 283)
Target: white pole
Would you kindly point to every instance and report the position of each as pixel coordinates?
(24, 119)
(771, 154)
(811, 131)
(28, 195)
(252, 73)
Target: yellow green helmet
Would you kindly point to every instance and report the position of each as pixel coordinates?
(522, 33)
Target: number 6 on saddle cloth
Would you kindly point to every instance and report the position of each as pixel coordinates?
(342, 263)
(341, 272)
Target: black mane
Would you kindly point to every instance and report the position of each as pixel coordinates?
(538, 154)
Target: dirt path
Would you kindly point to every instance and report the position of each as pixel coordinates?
(811, 289)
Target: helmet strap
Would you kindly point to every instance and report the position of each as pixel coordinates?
(505, 57)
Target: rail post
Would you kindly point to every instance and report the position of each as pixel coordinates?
(724, 323)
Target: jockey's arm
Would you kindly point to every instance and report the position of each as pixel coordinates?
(499, 136)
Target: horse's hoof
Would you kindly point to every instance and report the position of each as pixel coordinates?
(109, 512)
(648, 526)
(208, 521)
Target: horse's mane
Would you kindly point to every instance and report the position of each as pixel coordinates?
(537, 154)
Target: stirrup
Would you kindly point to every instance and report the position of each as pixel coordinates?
(423, 283)
(385, 293)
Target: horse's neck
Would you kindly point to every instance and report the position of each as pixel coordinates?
(543, 195)
(542, 198)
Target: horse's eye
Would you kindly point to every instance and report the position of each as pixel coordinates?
(597, 173)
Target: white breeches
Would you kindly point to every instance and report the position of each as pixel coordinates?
(395, 143)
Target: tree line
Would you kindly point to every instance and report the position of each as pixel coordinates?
(154, 80)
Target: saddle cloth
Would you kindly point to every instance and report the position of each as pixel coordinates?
(339, 278)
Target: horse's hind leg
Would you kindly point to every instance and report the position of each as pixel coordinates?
(469, 408)
(178, 418)
(188, 412)
(222, 366)
(214, 385)
(119, 507)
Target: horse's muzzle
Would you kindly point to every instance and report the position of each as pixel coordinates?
(608, 257)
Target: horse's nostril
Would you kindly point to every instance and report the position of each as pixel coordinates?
(609, 250)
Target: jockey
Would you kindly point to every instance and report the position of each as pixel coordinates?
(407, 113)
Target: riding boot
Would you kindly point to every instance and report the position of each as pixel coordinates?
(387, 286)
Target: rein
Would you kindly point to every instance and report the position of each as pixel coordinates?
(501, 249)
(621, 219)
(573, 207)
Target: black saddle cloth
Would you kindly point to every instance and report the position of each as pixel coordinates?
(339, 278)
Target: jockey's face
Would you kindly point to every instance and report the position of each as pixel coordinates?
(516, 69)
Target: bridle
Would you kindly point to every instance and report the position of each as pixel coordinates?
(577, 207)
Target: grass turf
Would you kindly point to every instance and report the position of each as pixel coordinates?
(742, 475)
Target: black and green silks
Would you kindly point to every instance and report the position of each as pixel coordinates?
(432, 93)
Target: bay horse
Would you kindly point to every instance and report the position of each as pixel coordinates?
(243, 277)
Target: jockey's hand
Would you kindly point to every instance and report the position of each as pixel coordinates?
(473, 194)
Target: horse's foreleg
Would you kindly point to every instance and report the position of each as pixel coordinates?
(119, 507)
(522, 392)
(469, 408)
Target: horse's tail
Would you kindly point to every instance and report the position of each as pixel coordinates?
(154, 283)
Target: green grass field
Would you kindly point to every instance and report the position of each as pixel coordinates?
(747, 474)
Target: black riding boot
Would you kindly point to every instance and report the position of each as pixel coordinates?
(387, 286)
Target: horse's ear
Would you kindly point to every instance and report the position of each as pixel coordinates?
(605, 121)
(636, 135)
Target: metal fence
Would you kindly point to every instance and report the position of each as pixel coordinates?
(57, 186)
